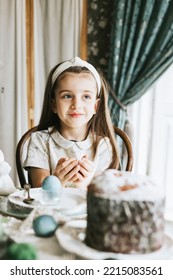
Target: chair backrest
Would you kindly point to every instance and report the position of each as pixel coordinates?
(20, 146)
(19, 152)
(129, 149)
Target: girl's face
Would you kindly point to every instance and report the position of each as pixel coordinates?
(75, 100)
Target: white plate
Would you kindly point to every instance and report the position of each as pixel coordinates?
(71, 238)
(72, 201)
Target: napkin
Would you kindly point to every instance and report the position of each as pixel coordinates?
(26, 225)
(6, 183)
(16, 229)
(20, 231)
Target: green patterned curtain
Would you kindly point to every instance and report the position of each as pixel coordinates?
(138, 47)
(98, 37)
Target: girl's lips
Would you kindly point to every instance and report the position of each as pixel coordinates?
(75, 115)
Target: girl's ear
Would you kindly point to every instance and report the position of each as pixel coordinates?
(53, 106)
(96, 105)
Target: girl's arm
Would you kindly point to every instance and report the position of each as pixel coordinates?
(37, 176)
(66, 170)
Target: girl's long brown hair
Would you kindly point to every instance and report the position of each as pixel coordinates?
(100, 125)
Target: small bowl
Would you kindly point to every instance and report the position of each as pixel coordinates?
(50, 197)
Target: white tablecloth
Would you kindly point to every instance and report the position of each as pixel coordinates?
(49, 248)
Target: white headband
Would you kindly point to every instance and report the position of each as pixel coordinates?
(76, 61)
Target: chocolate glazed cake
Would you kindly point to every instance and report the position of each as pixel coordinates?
(125, 213)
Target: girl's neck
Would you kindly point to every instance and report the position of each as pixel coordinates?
(74, 134)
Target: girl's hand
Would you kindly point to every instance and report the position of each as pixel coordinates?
(67, 170)
(86, 167)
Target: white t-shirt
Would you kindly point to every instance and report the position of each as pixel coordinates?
(45, 149)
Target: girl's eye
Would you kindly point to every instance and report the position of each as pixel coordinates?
(87, 96)
(66, 96)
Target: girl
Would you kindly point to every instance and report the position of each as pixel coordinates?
(75, 138)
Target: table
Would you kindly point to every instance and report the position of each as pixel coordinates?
(49, 248)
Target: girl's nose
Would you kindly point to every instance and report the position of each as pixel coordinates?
(76, 103)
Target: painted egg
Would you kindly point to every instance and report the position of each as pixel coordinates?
(51, 190)
(44, 225)
(51, 183)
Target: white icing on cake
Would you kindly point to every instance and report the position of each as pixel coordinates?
(108, 184)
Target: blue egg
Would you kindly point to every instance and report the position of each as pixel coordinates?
(51, 190)
(44, 225)
(51, 183)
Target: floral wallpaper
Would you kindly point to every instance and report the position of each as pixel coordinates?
(98, 33)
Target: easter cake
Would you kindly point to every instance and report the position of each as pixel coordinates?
(124, 213)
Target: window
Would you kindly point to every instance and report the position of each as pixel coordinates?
(152, 118)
